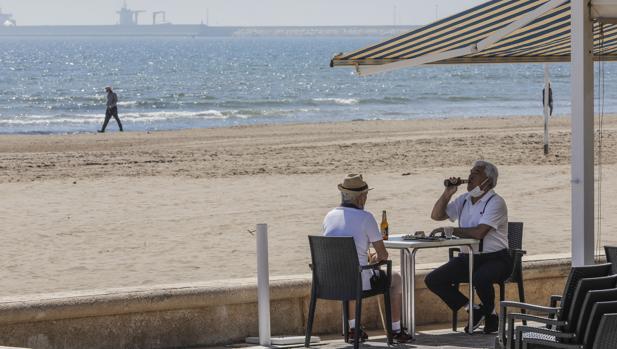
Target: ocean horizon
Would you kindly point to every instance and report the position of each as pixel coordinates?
(56, 85)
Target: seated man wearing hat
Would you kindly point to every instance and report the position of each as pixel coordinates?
(350, 219)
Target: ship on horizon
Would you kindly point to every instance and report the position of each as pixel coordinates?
(6, 19)
(128, 25)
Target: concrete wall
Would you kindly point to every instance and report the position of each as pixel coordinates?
(205, 314)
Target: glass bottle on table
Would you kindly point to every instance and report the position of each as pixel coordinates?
(384, 226)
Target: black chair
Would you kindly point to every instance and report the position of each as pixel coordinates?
(585, 339)
(607, 332)
(337, 275)
(572, 329)
(611, 256)
(515, 245)
(595, 296)
(555, 315)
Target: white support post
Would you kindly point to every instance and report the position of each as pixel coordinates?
(582, 135)
(263, 299)
(263, 285)
(547, 108)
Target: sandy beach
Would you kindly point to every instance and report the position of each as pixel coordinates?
(123, 209)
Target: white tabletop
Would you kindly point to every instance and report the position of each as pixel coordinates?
(396, 241)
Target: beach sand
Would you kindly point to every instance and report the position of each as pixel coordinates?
(110, 210)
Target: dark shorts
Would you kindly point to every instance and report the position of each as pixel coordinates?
(113, 111)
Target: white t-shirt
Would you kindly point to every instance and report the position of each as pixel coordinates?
(359, 224)
(491, 210)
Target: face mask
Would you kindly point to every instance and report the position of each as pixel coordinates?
(477, 192)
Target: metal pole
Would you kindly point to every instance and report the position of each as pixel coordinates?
(547, 90)
(405, 276)
(263, 285)
(412, 288)
(470, 325)
(582, 135)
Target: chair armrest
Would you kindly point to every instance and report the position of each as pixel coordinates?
(452, 250)
(517, 259)
(517, 251)
(559, 344)
(376, 266)
(506, 321)
(540, 330)
(527, 306)
(521, 316)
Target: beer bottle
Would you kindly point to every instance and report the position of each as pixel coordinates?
(454, 182)
(384, 226)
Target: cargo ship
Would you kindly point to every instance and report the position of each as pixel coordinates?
(128, 25)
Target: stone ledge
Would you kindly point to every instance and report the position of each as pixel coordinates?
(210, 313)
(117, 301)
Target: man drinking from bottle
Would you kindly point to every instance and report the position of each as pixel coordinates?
(481, 214)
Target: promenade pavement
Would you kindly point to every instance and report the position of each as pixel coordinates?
(428, 339)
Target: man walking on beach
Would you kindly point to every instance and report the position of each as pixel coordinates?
(350, 219)
(112, 109)
(482, 214)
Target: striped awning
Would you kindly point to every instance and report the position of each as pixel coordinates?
(544, 37)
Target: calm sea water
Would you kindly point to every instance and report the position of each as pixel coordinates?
(56, 85)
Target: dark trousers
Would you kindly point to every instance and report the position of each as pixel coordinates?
(113, 111)
(488, 268)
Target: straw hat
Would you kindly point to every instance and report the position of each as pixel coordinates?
(354, 183)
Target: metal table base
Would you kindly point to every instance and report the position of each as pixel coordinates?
(408, 275)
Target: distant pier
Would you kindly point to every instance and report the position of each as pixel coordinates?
(198, 30)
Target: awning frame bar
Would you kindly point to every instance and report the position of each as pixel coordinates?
(606, 20)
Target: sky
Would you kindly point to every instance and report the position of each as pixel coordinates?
(238, 12)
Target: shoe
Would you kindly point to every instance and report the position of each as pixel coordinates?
(478, 316)
(491, 324)
(100, 131)
(351, 335)
(402, 336)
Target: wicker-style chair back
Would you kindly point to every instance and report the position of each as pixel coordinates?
(606, 336)
(337, 275)
(611, 256)
(515, 247)
(597, 311)
(576, 274)
(582, 290)
(336, 269)
(515, 235)
(592, 297)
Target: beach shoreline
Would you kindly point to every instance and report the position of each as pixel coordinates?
(276, 149)
(127, 209)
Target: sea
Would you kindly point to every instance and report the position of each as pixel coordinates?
(56, 85)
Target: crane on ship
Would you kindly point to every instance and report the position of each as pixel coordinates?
(128, 16)
(155, 14)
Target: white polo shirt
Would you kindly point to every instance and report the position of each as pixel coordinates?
(359, 224)
(491, 210)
